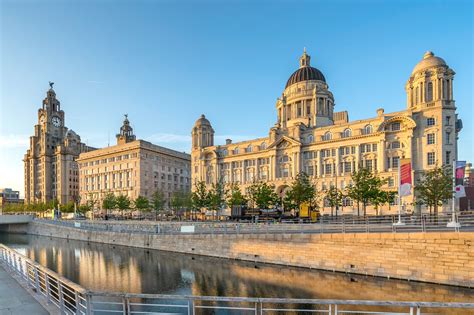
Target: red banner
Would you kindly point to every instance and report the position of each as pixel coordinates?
(405, 177)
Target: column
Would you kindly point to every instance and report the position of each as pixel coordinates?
(381, 156)
(357, 158)
(272, 168)
(338, 162)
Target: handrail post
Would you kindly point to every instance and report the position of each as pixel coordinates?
(78, 302)
(46, 283)
(28, 280)
(89, 310)
(61, 297)
(37, 286)
(335, 310)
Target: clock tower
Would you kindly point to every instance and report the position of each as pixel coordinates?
(51, 171)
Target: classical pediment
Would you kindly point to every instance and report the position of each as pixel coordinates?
(284, 142)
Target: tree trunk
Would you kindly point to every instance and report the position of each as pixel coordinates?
(358, 208)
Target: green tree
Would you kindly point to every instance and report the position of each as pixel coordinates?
(109, 202)
(435, 187)
(180, 200)
(365, 187)
(301, 190)
(200, 196)
(262, 195)
(68, 207)
(123, 203)
(141, 203)
(333, 198)
(235, 196)
(216, 196)
(158, 202)
(381, 197)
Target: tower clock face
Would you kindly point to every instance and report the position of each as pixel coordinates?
(56, 121)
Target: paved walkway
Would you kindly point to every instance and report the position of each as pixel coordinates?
(14, 299)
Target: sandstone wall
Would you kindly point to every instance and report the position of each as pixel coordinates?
(446, 258)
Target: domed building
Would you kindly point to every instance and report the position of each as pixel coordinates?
(310, 136)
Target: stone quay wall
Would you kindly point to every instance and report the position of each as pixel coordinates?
(444, 258)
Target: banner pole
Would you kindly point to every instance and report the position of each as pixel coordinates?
(453, 222)
(399, 196)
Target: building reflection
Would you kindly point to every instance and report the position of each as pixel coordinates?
(122, 269)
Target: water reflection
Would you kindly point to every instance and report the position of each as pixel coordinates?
(117, 268)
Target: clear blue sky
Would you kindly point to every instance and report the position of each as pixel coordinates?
(166, 62)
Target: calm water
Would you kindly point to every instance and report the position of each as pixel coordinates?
(116, 268)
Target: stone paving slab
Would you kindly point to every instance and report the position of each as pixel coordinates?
(14, 299)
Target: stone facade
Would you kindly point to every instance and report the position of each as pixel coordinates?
(309, 136)
(50, 165)
(133, 168)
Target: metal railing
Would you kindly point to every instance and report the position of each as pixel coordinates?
(326, 224)
(71, 298)
(67, 296)
(129, 304)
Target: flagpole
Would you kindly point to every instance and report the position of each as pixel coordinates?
(453, 222)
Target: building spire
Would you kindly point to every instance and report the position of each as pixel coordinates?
(305, 59)
(126, 132)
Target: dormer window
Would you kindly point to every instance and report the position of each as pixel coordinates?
(327, 136)
(346, 133)
(367, 129)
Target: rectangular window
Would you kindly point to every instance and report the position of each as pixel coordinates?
(327, 168)
(396, 126)
(448, 120)
(448, 137)
(431, 158)
(430, 122)
(347, 167)
(395, 161)
(391, 182)
(448, 157)
(368, 164)
(430, 138)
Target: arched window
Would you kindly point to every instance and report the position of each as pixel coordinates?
(224, 152)
(249, 148)
(327, 136)
(368, 129)
(416, 95)
(263, 146)
(346, 133)
(236, 150)
(310, 139)
(429, 93)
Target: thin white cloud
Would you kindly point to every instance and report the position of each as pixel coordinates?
(179, 138)
(14, 141)
(168, 138)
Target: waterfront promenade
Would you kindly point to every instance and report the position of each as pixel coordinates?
(15, 299)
